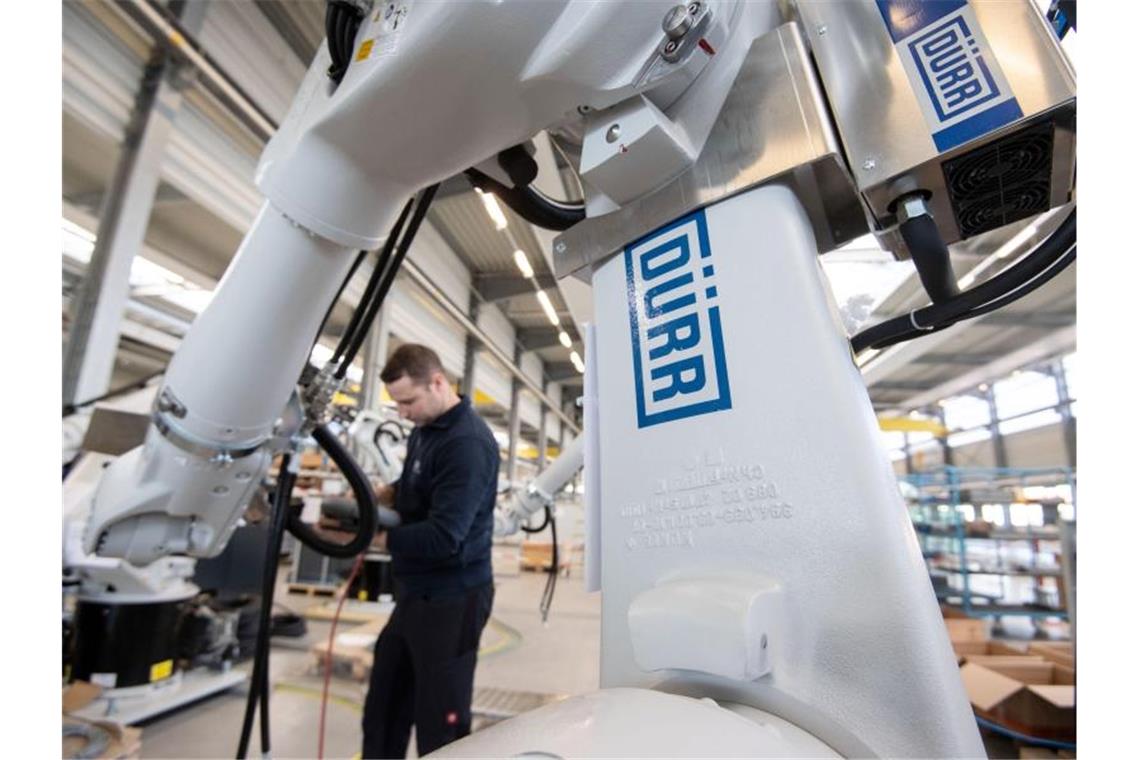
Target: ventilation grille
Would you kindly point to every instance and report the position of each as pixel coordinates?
(1003, 181)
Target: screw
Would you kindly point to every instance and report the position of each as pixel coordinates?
(670, 46)
(243, 476)
(583, 110)
(869, 164)
(694, 8)
(219, 490)
(613, 133)
(821, 29)
(560, 247)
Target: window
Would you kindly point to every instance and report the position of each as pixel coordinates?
(969, 415)
(1023, 392)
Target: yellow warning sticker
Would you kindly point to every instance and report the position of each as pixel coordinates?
(161, 670)
(365, 50)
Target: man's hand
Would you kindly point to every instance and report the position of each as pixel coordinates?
(329, 530)
(385, 495)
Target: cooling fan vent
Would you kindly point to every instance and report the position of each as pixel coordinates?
(1003, 181)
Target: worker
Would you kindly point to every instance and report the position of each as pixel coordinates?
(423, 670)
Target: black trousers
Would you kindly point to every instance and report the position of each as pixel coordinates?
(423, 673)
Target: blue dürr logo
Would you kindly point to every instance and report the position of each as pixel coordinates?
(956, 76)
(959, 85)
(674, 320)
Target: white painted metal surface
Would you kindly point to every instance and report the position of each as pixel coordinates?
(639, 723)
(788, 481)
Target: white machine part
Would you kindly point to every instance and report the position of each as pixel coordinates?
(754, 546)
(381, 442)
(539, 493)
(336, 174)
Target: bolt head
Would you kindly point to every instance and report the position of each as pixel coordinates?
(677, 21)
(869, 164)
(821, 29)
(613, 133)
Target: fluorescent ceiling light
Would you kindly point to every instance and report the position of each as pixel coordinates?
(577, 362)
(547, 307)
(493, 210)
(523, 264)
(564, 339)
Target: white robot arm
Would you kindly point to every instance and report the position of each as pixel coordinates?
(539, 493)
(411, 110)
(382, 442)
(754, 547)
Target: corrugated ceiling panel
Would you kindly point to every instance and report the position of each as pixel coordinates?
(415, 319)
(441, 265)
(247, 47)
(493, 380)
(100, 73)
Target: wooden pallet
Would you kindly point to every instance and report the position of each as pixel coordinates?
(351, 652)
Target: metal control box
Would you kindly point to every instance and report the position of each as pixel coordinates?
(973, 103)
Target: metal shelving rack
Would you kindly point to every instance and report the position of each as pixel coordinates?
(965, 559)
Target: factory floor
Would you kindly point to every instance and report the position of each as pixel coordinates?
(523, 660)
(526, 658)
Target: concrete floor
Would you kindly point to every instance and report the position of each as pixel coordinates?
(560, 657)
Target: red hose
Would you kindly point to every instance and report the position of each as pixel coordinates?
(328, 655)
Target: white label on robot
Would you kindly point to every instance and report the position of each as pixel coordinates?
(961, 89)
(679, 365)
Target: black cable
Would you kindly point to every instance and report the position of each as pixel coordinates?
(339, 292)
(365, 501)
(931, 257)
(1055, 269)
(532, 205)
(70, 409)
(552, 580)
(1006, 282)
(373, 283)
(540, 528)
(259, 679)
(422, 205)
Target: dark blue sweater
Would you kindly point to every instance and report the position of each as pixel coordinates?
(446, 500)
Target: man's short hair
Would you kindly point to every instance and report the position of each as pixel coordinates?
(411, 359)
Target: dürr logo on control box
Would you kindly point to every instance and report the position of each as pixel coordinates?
(959, 85)
(674, 318)
(953, 69)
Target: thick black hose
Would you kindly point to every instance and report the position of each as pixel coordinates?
(1059, 266)
(422, 205)
(259, 678)
(960, 307)
(530, 204)
(931, 257)
(374, 280)
(365, 501)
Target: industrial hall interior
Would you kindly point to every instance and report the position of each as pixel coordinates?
(569, 379)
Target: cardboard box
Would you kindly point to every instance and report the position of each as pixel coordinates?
(1042, 707)
(967, 629)
(985, 648)
(1024, 668)
(1059, 652)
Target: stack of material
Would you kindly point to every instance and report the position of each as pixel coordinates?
(1026, 688)
(97, 740)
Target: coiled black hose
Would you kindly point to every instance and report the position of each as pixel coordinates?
(530, 204)
(362, 491)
